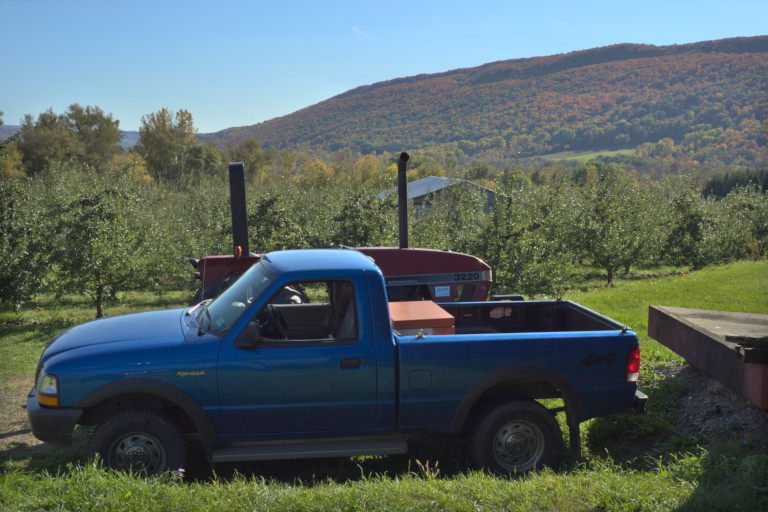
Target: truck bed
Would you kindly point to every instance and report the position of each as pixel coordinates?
(539, 349)
(526, 316)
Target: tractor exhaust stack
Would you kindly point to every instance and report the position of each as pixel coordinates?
(239, 215)
(402, 198)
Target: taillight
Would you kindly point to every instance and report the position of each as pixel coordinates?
(633, 365)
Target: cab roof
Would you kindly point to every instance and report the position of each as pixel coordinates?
(303, 260)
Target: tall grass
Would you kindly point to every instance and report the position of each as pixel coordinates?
(704, 481)
(605, 487)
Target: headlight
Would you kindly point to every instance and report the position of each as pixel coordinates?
(48, 390)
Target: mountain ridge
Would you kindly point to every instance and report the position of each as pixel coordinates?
(601, 55)
(614, 96)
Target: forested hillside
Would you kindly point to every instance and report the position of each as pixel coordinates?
(699, 103)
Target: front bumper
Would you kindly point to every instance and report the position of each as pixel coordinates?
(52, 425)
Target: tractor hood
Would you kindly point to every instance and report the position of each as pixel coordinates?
(136, 330)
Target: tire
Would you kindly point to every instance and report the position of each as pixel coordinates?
(516, 437)
(144, 441)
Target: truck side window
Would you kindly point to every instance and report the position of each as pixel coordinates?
(310, 312)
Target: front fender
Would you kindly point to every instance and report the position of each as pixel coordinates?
(162, 390)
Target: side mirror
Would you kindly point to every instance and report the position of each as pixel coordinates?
(249, 337)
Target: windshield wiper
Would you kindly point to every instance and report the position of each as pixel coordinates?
(199, 319)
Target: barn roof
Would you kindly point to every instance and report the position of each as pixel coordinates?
(422, 187)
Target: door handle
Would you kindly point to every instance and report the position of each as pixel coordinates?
(351, 362)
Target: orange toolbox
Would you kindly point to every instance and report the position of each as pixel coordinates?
(420, 317)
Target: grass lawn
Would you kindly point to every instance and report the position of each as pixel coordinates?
(630, 462)
(581, 157)
(740, 286)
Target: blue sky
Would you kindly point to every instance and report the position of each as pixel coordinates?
(235, 63)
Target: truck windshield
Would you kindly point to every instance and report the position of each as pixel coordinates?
(221, 314)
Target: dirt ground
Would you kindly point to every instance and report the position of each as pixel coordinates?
(15, 434)
(17, 444)
(712, 410)
(709, 409)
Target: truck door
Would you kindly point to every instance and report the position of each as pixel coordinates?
(313, 369)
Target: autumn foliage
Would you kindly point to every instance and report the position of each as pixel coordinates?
(696, 104)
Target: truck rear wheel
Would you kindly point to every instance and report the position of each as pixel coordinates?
(515, 438)
(140, 440)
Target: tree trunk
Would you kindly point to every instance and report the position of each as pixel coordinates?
(99, 302)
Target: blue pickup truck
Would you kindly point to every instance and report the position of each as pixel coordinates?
(301, 357)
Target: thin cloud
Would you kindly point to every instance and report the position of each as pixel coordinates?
(359, 32)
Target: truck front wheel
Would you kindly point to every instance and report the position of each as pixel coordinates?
(140, 440)
(516, 437)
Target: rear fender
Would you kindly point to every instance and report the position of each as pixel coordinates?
(512, 382)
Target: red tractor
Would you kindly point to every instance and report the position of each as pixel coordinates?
(410, 274)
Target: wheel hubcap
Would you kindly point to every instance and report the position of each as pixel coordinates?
(138, 452)
(518, 446)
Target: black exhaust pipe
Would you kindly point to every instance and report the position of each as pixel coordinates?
(402, 198)
(239, 215)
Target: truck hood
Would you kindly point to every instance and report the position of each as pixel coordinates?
(149, 328)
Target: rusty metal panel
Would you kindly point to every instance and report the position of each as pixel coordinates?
(730, 347)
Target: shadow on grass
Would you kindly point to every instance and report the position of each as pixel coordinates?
(17, 334)
(73, 309)
(435, 455)
(428, 456)
(726, 465)
(39, 458)
(592, 278)
(732, 478)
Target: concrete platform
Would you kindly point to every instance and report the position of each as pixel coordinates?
(730, 347)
